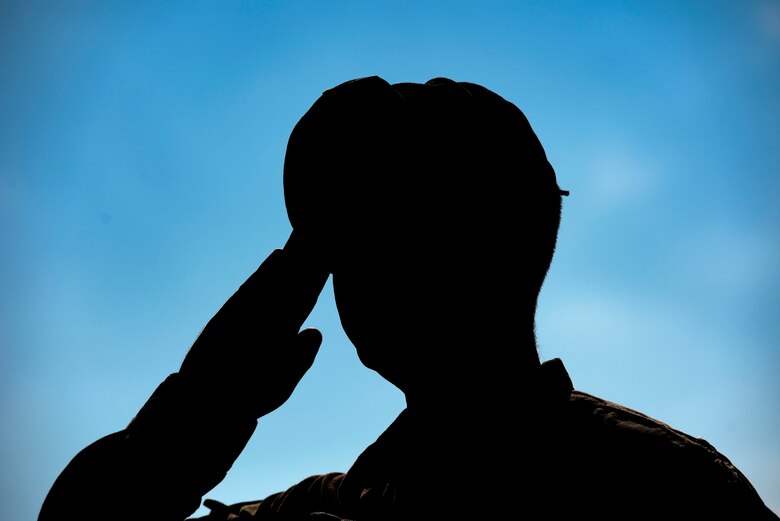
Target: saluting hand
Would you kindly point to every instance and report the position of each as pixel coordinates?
(252, 353)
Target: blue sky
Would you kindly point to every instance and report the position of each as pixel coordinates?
(141, 151)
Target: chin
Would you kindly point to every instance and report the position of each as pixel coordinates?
(389, 367)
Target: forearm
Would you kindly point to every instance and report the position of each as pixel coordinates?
(179, 446)
(245, 363)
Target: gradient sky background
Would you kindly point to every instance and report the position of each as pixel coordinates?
(141, 150)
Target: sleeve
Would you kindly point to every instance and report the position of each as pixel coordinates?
(316, 497)
(175, 450)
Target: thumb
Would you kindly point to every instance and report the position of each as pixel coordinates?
(306, 346)
(279, 379)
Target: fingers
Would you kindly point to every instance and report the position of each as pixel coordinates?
(300, 356)
(305, 282)
(309, 340)
(272, 383)
(280, 294)
(285, 287)
(304, 264)
(265, 313)
(254, 341)
(306, 346)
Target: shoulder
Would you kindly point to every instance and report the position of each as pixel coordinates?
(596, 416)
(641, 457)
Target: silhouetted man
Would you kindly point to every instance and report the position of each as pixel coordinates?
(436, 211)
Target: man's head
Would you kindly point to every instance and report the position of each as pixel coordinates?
(436, 211)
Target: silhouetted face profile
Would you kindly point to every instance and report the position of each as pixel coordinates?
(436, 210)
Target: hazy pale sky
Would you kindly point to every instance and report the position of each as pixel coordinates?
(141, 150)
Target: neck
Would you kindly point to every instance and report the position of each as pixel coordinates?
(467, 424)
(486, 387)
(466, 431)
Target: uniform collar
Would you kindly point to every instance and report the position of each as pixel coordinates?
(389, 458)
